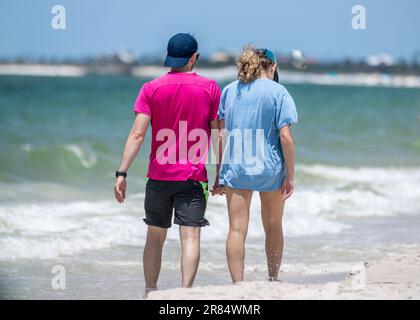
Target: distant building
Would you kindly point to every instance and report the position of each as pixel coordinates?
(122, 57)
(382, 59)
(222, 57)
(126, 57)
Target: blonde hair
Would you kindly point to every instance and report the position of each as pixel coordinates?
(251, 64)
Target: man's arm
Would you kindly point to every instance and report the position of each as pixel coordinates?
(218, 145)
(132, 147)
(288, 148)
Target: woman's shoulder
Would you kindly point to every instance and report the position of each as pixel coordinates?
(279, 90)
(273, 85)
(231, 85)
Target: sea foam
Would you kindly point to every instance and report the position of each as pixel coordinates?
(328, 205)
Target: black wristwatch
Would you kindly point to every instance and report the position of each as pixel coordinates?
(120, 173)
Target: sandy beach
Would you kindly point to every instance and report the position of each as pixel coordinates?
(396, 276)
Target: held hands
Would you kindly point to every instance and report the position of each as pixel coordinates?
(217, 188)
(119, 189)
(287, 188)
(121, 186)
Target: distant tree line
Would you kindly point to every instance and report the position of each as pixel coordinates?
(284, 62)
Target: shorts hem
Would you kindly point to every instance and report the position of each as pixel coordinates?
(155, 224)
(252, 189)
(204, 224)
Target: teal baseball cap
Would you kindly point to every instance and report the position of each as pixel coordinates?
(272, 57)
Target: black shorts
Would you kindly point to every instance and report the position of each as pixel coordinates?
(188, 198)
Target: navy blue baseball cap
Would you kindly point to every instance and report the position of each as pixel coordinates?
(181, 47)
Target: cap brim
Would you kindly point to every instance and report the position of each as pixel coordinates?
(276, 76)
(175, 62)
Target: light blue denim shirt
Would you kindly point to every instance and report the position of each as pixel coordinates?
(253, 113)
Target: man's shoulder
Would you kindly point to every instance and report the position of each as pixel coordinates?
(199, 77)
(149, 87)
(156, 82)
(191, 78)
(203, 81)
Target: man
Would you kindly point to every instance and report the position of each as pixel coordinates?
(180, 106)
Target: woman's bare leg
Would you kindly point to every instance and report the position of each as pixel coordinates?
(272, 206)
(238, 202)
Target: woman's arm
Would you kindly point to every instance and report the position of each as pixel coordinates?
(215, 142)
(288, 149)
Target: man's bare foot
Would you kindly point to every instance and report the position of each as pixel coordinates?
(147, 290)
(273, 279)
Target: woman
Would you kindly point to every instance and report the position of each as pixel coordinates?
(258, 102)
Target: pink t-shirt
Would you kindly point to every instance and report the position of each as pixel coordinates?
(181, 105)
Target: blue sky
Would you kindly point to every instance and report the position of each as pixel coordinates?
(319, 28)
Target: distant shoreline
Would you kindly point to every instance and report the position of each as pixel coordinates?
(219, 74)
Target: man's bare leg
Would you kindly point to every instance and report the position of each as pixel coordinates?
(190, 243)
(152, 256)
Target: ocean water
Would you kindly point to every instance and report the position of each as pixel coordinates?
(357, 191)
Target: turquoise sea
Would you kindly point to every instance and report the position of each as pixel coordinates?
(357, 188)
